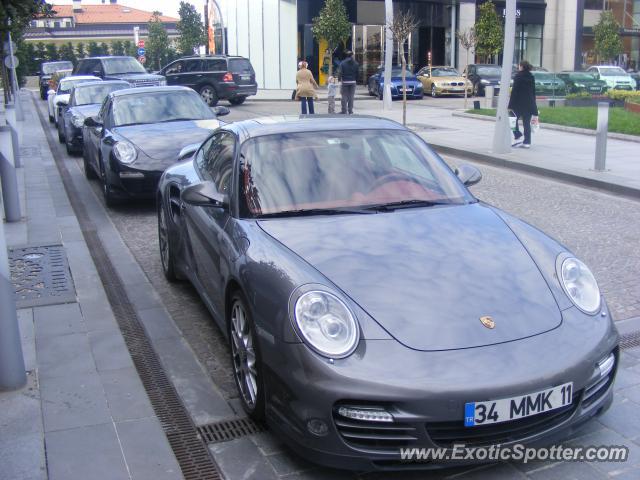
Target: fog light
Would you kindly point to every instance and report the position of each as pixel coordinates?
(366, 414)
(606, 365)
(317, 427)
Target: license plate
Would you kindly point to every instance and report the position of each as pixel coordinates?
(245, 77)
(507, 409)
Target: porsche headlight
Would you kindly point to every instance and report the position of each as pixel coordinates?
(580, 285)
(78, 122)
(125, 152)
(326, 324)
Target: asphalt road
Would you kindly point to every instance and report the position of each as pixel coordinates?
(601, 228)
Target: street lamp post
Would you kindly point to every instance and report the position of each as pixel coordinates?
(502, 133)
(388, 55)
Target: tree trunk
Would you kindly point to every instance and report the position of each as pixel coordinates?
(465, 80)
(404, 83)
(330, 63)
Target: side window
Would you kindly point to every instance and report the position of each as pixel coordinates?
(217, 161)
(192, 65)
(215, 65)
(87, 67)
(103, 109)
(175, 67)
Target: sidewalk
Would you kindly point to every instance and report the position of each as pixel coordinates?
(265, 95)
(563, 155)
(84, 413)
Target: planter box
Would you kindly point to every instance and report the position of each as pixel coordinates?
(632, 107)
(592, 102)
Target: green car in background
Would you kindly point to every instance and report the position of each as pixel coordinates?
(583, 82)
(549, 84)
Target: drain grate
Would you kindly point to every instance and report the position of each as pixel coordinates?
(226, 430)
(40, 276)
(630, 340)
(424, 127)
(190, 451)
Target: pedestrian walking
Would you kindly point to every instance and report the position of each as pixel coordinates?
(523, 103)
(332, 86)
(306, 88)
(347, 75)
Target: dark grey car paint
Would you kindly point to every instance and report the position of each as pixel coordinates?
(272, 260)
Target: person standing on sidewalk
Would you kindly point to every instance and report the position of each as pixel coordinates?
(523, 103)
(306, 88)
(331, 94)
(347, 75)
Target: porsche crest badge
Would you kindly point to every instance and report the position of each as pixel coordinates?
(488, 322)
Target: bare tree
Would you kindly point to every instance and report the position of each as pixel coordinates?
(468, 40)
(401, 27)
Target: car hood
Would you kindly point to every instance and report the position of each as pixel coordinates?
(449, 79)
(64, 97)
(90, 110)
(428, 275)
(135, 76)
(399, 79)
(165, 140)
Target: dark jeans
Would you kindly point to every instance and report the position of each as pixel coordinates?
(526, 123)
(347, 92)
(304, 101)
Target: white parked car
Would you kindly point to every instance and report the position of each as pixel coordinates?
(615, 77)
(63, 92)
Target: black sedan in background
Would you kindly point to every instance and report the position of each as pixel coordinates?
(47, 69)
(84, 102)
(138, 133)
(583, 82)
(483, 76)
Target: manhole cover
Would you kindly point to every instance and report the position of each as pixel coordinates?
(41, 276)
(423, 127)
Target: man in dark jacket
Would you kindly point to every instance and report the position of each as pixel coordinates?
(523, 102)
(347, 74)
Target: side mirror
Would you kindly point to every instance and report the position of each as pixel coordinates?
(221, 111)
(92, 122)
(468, 174)
(62, 102)
(188, 151)
(51, 91)
(205, 194)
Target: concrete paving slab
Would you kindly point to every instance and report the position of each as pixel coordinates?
(158, 324)
(125, 394)
(74, 401)
(91, 452)
(54, 320)
(146, 450)
(623, 418)
(20, 412)
(27, 333)
(239, 458)
(63, 355)
(202, 399)
(109, 350)
(23, 458)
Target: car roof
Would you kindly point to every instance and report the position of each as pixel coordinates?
(57, 61)
(211, 56)
(79, 77)
(100, 82)
(278, 124)
(133, 91)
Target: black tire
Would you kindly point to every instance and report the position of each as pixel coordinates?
(371, 92)
(209, 95)
(51, 119)
(43, 94)
(166, 248)
(477, 91)
(89, 172)
(61, 138)
(109, 199)
(237, 100)
(380, 93)
(434, 93)
(241, 345)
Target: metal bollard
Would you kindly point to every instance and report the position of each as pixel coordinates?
(12, 370)
(488, 96)
(476, 104)
(601, 137)
(8, 178)
(15, 142)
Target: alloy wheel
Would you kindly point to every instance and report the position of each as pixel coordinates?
(434, 94)
(163, 239)
(208, 94)
(244, 355)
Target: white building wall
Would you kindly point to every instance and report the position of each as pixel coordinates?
(466, 21)
(559, 44)
(267, 34)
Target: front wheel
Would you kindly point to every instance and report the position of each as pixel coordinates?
(166, 249)
(209, 95)
(237, 100)
(245, 357)
(107, 193)
(89, 172)
(434, 93)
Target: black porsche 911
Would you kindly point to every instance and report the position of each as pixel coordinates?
(138, 133)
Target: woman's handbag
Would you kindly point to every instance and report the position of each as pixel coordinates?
(535, 124)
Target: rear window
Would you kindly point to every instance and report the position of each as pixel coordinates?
(240, 65)
(215, 65)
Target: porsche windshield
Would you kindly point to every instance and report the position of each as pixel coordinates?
(350, 169)
(67, 84)
(86, 95)
(160, 106)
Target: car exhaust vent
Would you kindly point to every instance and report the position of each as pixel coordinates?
(447, 434)
(229, 430)
(375, 437)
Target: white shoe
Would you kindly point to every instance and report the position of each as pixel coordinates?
(526, 145)
(516, 144)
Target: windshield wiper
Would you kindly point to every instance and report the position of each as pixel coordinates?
(391, 206)
(315, 211)
(177, 120)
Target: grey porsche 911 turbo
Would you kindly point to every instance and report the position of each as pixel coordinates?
(372, 303)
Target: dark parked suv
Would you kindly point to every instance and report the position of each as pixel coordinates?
(47, 69)
(214, 77)
(119, 68)
(482, 76)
